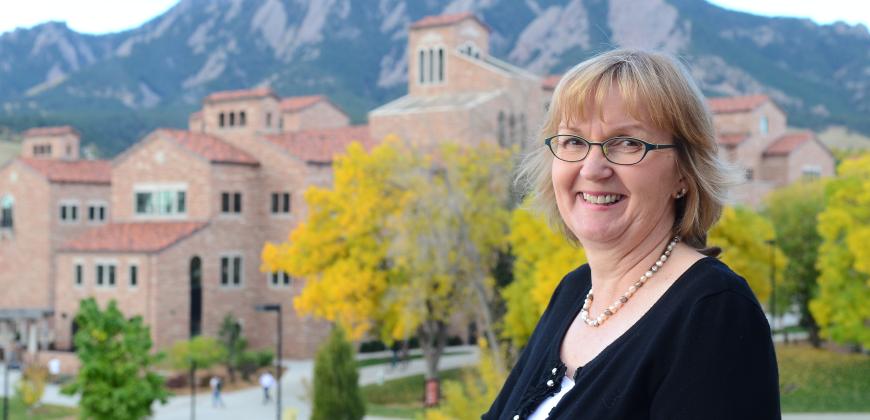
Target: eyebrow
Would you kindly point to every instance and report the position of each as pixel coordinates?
(616, 128)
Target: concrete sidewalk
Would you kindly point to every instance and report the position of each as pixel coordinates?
(248, 404)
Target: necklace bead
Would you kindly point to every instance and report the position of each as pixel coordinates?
(612, 309)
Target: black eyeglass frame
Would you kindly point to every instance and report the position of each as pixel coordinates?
(647, 146)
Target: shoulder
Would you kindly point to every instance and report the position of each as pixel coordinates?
(711, 279)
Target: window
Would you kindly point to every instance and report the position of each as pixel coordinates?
(231, 202)
(160, 200)
(762, 125)
(68, 150)
(105, 275)
(69, 212)
(221, 120)
(7, 205)
(134, 275)
(280, 279)
(232, 119)
(96, 212)
(502, 129)
(41, 149)
(431, 63)
(750, 174)
(421, 63)
(280, 202)
(268, 119)
(242, 118)
(811, 172)
(79, 274)
(231, 270)
(470, 49)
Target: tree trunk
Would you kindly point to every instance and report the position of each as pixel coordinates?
(433, 339)
(488, 324)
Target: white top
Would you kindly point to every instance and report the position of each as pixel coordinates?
(543, 410)
(267, 380)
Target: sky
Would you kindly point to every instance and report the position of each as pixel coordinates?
(104, 16)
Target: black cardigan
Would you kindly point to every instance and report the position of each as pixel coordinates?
(703, 351)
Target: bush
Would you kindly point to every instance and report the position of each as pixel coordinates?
(372, 346)
(264, 358)
(336, 381)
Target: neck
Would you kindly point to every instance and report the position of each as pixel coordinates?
(616, 266)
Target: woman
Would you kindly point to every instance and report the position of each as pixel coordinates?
(653, 326)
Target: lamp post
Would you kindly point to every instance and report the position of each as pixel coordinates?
(5, 384)
(276, 307)
(772, 243)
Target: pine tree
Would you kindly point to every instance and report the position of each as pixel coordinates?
(336, 387)
(117, 379)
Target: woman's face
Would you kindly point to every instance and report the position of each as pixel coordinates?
(644, 192)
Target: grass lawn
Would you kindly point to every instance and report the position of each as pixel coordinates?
(811, 380)
(401, 398)
(388, 359)
(814, 380)
(44, 412)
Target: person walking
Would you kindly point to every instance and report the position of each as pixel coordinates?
(266, 382)
(217, 385)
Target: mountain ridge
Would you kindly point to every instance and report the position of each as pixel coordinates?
(119, 86)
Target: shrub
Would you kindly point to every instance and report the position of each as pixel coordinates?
(336, 381)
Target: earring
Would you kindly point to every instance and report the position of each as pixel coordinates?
(680, 194)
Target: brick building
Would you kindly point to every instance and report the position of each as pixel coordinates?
(752, 133)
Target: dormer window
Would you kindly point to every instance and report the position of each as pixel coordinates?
(470, 49)
(431, 63)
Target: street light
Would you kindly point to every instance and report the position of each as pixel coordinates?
(275, 307)
(5, 384)
(772, 243)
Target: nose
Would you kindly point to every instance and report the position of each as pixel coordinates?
(596, 166)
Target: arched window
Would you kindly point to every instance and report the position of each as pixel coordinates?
(242, 118)
(512, 129)
(431, 66)
(221, 120)
(441, 64)
(232, 119)
(422, 65)
(6, 207)
(502, 140)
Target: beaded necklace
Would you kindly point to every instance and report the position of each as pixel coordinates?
(612, 309)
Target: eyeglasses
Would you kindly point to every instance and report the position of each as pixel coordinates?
(620, 150)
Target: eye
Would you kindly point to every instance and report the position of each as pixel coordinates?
(624, 145)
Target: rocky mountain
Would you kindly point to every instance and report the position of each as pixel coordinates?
(117, 87)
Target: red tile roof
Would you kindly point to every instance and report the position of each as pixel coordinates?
(133, 237)
(321, 145)
(208, 146)
(736, 103)
(51, 131)
(72, 171)
(787, 143)
(551, 81)
(442, 20)
(297, 103)
(228, 95)
(732, 139)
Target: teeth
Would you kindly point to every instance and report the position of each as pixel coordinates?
(601, 199)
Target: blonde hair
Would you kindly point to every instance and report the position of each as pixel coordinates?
(656, 89)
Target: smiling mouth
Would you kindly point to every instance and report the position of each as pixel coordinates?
(602, 199)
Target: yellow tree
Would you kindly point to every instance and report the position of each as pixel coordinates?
(402, 242)
(744, 237)
(842, 307)
(543, 257)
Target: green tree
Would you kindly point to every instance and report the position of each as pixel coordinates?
(336, 381)
(234, 344)
(200, 352)
(743, 236)
(116, 380)
(794, 212)
(842, 307)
